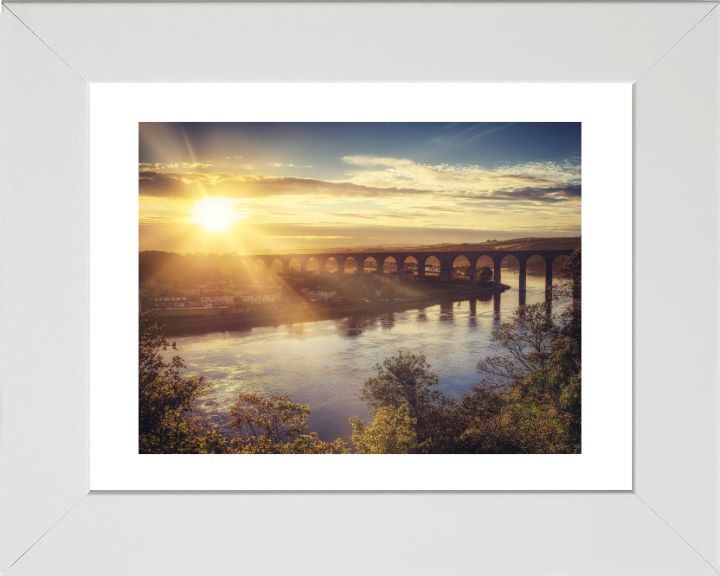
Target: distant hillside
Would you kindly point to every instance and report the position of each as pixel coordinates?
(530, 243)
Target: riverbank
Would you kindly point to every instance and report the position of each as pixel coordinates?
(198, 324)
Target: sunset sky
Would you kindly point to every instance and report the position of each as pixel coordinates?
(228, 187)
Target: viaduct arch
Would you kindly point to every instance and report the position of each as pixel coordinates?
(446, 260)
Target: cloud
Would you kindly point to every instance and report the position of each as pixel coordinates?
(309, 237)
(196, 185)
(176, 166)
(371, 215)
(536, 182)
(351, 215)
(467, 178)
(375, 161)
(440, 209)
(383, 177)
(160, 220)
(531, 194)
(468, 135)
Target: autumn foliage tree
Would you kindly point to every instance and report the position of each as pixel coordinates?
(409, 412)
(276, 425)
(166, 400)
(404, 379)
(393, 431)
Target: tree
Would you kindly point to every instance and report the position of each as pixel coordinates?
(521, 346)
(555, 392)
(569, 290)
(351, 290)
(276, 425)
(391, 432)
(166, 400)
(323, 281)
(570, 274)
(404, 379)
(488, 421)
(536, 374)
(484, 274)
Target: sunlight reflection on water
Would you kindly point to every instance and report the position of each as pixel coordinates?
(324, 363)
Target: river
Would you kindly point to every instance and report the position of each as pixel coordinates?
(325, 363)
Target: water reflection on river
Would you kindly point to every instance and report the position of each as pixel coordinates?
(324, 363)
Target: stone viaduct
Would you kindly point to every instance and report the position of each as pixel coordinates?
(446, 259)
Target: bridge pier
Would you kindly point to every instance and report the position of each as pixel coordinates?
(497, 275)
(523, 298)
(446, 271)
(381, 264)
(522, 282)
(420, 267)
(321, 266)
(473, 273)
(548, 280)
(399, 265)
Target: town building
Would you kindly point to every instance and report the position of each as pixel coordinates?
(213, 286)
(190, 289)
(260, 296)
(212, 298)
(170, 299)
(320, 293)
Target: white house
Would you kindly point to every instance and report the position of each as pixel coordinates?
(216, 298)
(170, 299)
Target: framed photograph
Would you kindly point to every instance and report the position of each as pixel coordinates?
(299, 215)
(236, 246)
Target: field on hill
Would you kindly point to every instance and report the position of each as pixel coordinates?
(529, 243)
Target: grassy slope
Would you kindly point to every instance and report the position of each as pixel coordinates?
(558, 243)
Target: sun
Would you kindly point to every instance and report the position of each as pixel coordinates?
(216, 214)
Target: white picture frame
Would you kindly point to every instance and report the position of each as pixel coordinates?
(605, 113)
(49, 523)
